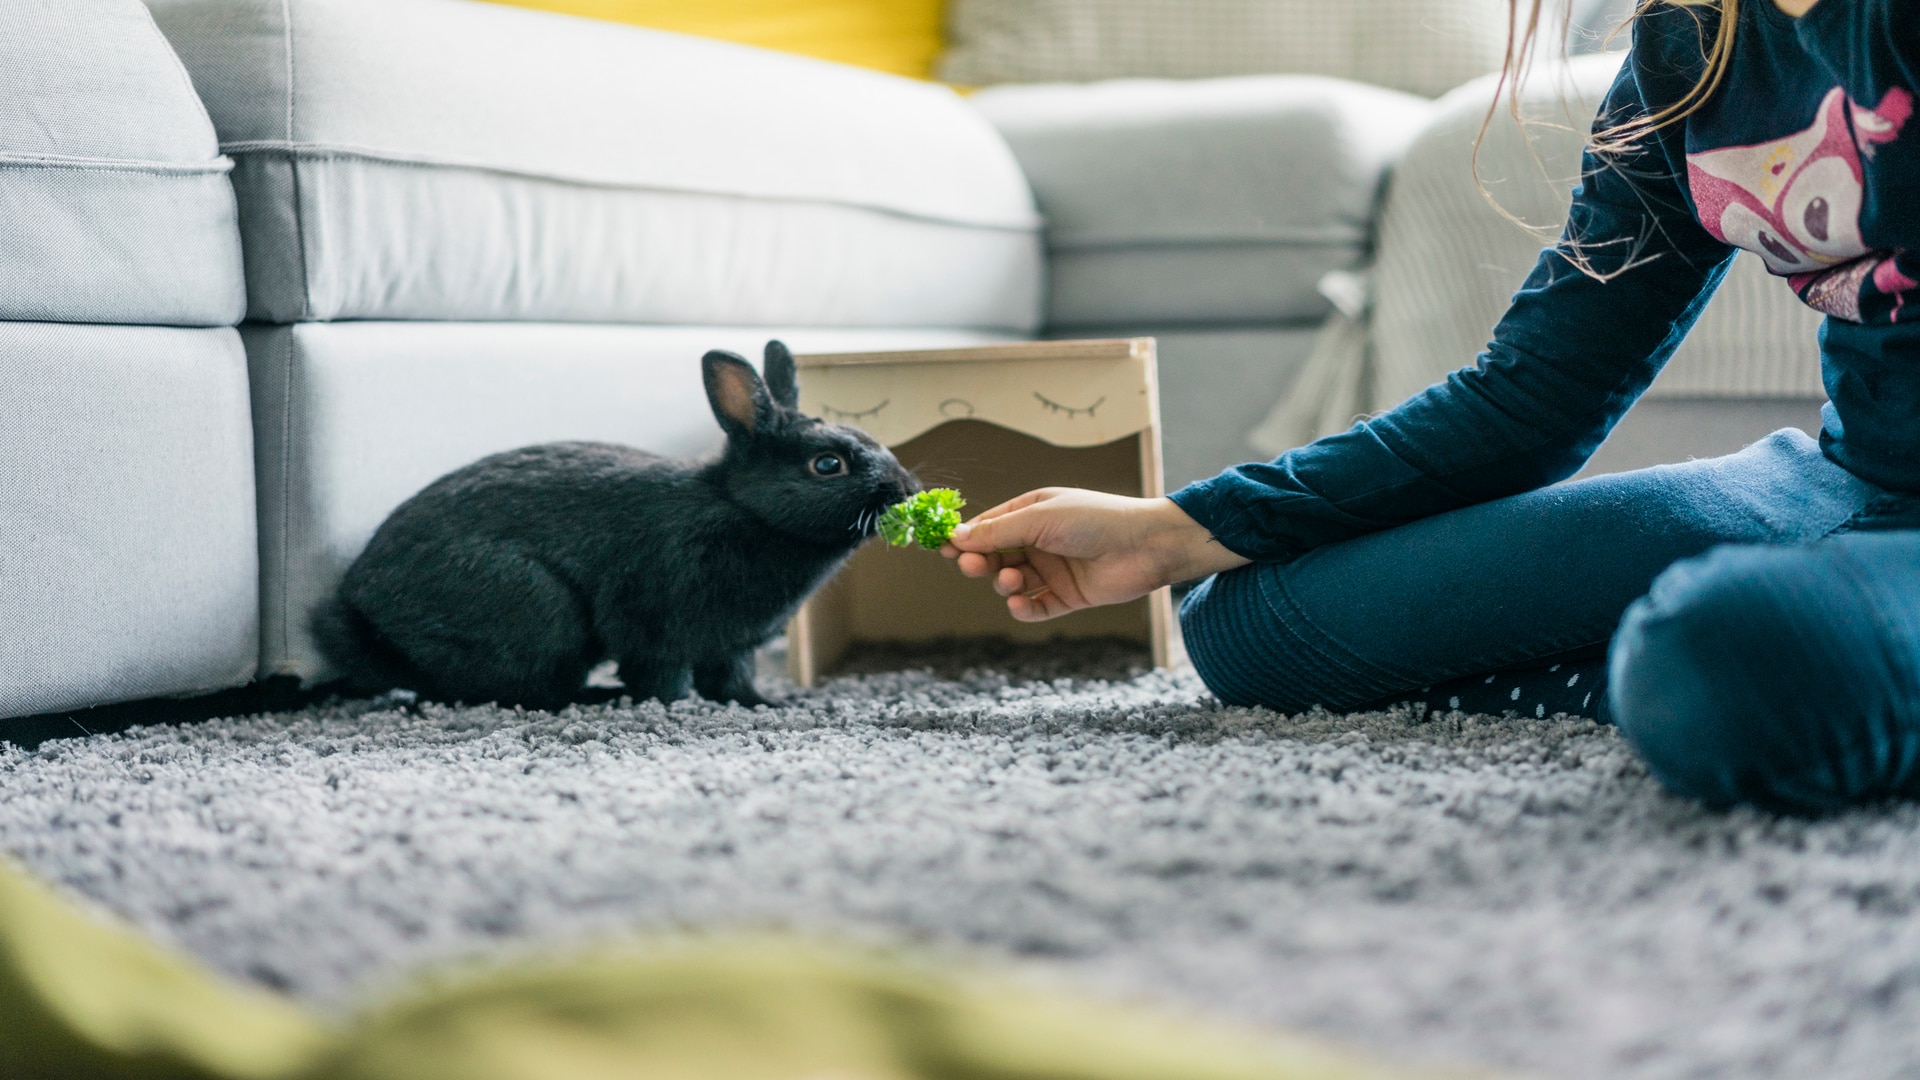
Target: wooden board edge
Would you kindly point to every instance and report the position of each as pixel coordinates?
(1084, 349)
(1160, 627)
(801, 664)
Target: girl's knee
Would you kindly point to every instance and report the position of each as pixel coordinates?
(1736, 680)
(1214, 620)
(1681, 684)
(1248, 654)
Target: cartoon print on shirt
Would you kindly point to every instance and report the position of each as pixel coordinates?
(1796, 202)
(1871, 127)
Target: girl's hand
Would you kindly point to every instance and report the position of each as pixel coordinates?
(1795, 8)
(1058, 550)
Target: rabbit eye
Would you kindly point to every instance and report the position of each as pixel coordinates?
(827, 465)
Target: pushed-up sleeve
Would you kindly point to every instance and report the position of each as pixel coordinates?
(1600, 314)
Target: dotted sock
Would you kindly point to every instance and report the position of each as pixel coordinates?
(1573, 687)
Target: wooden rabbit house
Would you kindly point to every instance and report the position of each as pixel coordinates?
(992, 421)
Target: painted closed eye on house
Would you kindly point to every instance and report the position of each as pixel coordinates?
(1067, 393)
(1796, 203)
(850, 416)
(1069, 411)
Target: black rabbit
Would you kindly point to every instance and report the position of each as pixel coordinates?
(510, 579)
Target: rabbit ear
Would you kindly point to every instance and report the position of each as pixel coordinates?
(781, 379)
(740, 400)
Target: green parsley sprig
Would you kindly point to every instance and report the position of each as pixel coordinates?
(928, 518)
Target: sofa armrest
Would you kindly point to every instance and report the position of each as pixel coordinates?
(1204, 202)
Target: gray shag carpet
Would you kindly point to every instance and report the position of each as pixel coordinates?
(1454, 889)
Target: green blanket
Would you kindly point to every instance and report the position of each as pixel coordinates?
(82, 996)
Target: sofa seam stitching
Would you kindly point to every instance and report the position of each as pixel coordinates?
(212, 167)
(293, 170)
(286, 37)
(294, 151)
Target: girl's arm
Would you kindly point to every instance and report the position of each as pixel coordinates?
(1569, 357)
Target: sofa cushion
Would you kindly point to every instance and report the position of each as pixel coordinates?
(440, 159)
(114, 200)
(1212, 201)
(354, 417)
(129, 568)
(1426, 47)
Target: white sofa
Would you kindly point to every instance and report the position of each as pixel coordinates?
(445, 228)
(471, 227)
(127, 555)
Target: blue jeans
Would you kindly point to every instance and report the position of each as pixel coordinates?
(1770, 650)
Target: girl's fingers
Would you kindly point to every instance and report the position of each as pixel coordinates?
(1018, 502)
(1051, 606)
(993, 535)
(1037, 605)
(1030, 596)
(975, 565)
(1002, 529)
(1026, 610)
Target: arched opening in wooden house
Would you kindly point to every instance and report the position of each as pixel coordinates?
(991, 421)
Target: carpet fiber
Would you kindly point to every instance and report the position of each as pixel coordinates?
(1454, 889)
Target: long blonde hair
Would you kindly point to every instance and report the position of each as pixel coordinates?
(1524, 24)
(1523, 34)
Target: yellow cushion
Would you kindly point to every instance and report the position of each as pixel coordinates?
(898, 36)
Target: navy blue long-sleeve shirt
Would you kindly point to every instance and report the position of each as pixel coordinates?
(1806, 154)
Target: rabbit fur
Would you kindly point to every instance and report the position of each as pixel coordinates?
(510, 579)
